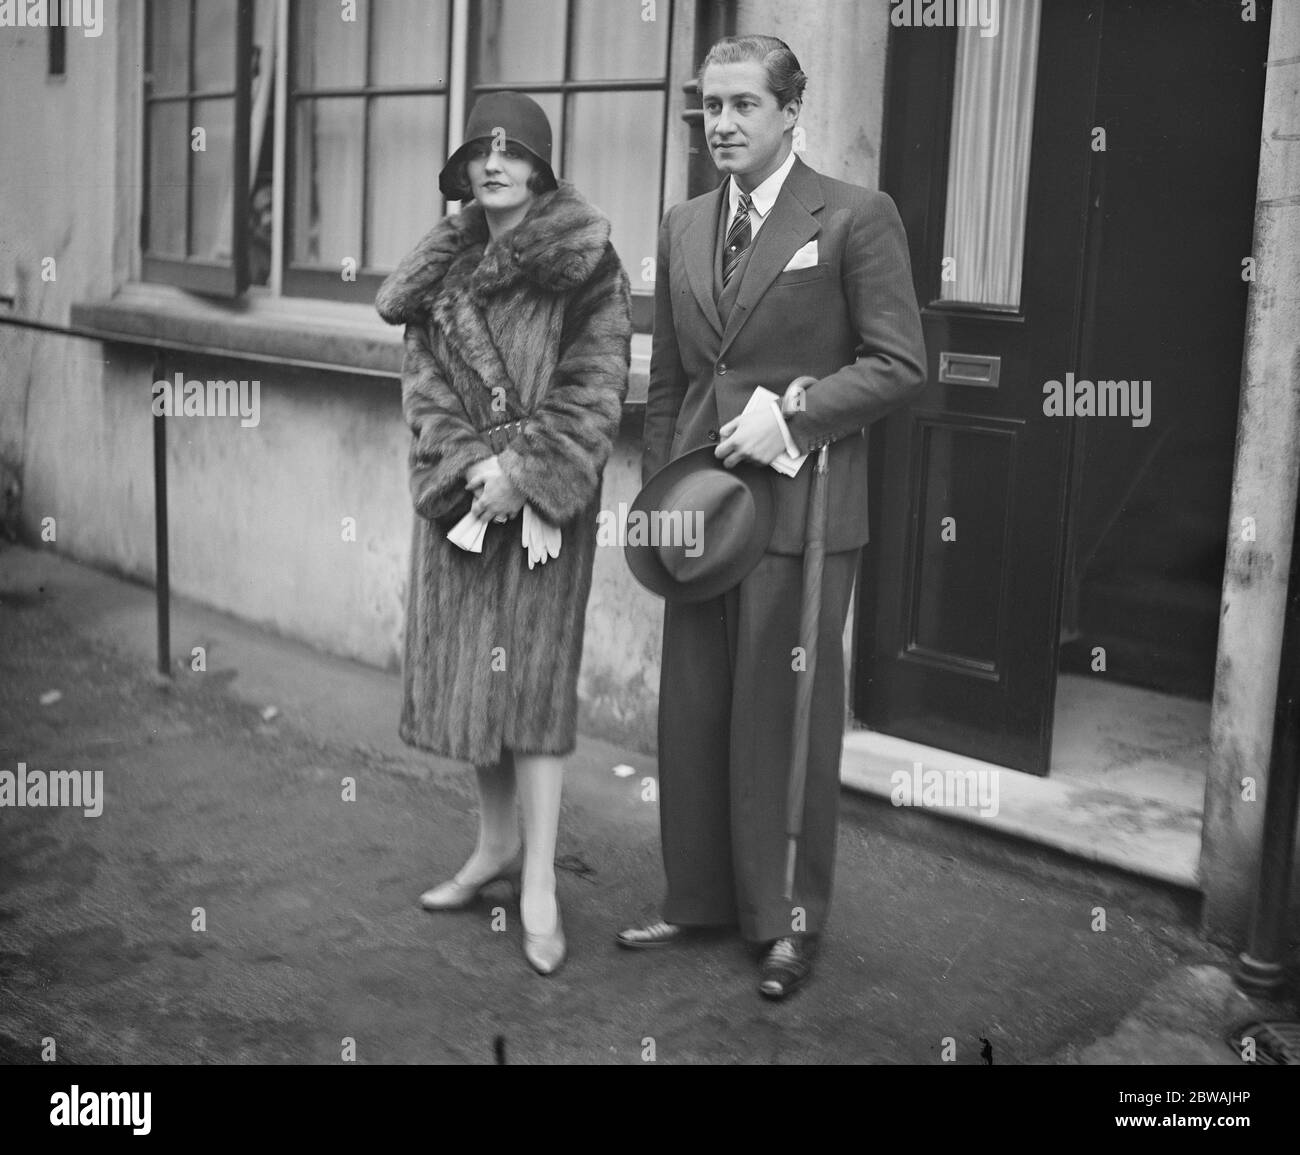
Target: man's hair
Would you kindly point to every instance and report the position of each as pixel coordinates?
(784, 76)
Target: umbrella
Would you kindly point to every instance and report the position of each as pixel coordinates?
(814, 556)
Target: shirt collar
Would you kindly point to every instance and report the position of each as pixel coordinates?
(764, 197)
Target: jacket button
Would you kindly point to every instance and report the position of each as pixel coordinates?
(722, 367)
(713, 435)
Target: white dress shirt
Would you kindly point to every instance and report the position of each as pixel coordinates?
(763, 197)
(761, 201)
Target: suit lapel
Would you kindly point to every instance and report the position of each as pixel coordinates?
(791, 225)
(699, 240)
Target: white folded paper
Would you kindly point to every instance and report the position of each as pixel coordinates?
(468, 532)
(789, 462)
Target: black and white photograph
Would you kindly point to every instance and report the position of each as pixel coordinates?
(682, 533)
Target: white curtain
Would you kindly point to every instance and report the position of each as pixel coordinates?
(988, 161)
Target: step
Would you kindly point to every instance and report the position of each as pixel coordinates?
(1141, 851)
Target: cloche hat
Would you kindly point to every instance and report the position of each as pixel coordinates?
(523, 123)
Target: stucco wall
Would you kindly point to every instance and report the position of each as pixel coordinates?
(54, 202)
(841, 46)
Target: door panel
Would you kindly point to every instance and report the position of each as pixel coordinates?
(957, 640)
(959, 595)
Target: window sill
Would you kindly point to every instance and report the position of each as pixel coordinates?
(338, 335)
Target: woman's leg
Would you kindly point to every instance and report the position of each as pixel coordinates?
(540, 780)
(498, 821)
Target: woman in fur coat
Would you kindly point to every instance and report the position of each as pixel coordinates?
(517, 339)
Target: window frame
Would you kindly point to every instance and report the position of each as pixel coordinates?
(293, 280)
(199, 274)
(314, 281)
(642, 299)
(920, 187)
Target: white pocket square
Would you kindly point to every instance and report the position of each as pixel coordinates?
(803, 258)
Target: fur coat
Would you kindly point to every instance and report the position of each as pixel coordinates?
(535, 327)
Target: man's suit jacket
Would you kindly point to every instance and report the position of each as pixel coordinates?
(850, 321)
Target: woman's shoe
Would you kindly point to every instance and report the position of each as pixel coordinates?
(545, 952)
(455, 895)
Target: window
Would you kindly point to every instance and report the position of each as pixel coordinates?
(365, 100)
(368, 132)
(988, 165)
(600, 70)
(198, 89)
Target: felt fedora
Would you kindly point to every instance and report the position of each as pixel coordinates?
(697, 528)
(509, 116)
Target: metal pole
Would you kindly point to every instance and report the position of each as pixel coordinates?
(1261, 966)
(162, 581)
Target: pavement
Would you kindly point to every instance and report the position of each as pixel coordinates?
(248, 893)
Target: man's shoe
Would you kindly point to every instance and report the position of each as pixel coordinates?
(656, 934)
(786, 967)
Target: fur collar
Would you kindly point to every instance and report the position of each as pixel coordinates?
(556, 247)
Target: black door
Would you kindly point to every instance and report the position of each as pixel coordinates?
(960, 599)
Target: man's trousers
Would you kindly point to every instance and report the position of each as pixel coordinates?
(726, 716)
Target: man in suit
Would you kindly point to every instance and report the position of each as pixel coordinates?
(780, 273)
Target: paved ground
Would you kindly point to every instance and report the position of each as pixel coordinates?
(313, 934)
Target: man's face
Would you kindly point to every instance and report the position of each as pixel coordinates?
(743, 123)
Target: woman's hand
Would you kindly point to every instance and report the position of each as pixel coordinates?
(495, 497)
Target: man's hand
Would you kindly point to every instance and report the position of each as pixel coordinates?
(754, 436)
(495, 497)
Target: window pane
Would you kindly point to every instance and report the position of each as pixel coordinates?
(409, 42)
(327, 182)
(520, 42)
(612, 42)
(616, 142)
(552, 104)
(169, 45)
(210, 232)
(407, 150)
(214, 46)
(169, 150)
(988, 163)
(329, 52)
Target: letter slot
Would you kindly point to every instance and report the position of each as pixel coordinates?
(978, 369)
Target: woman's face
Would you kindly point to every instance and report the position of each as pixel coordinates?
(498, 177)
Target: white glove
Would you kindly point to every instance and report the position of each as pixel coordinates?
(540, 538)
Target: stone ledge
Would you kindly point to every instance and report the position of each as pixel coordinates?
(345, 335)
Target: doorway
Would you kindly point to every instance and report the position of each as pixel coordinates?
(1180, 96)
(1077, 575)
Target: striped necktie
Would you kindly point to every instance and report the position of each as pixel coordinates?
(738, 238)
